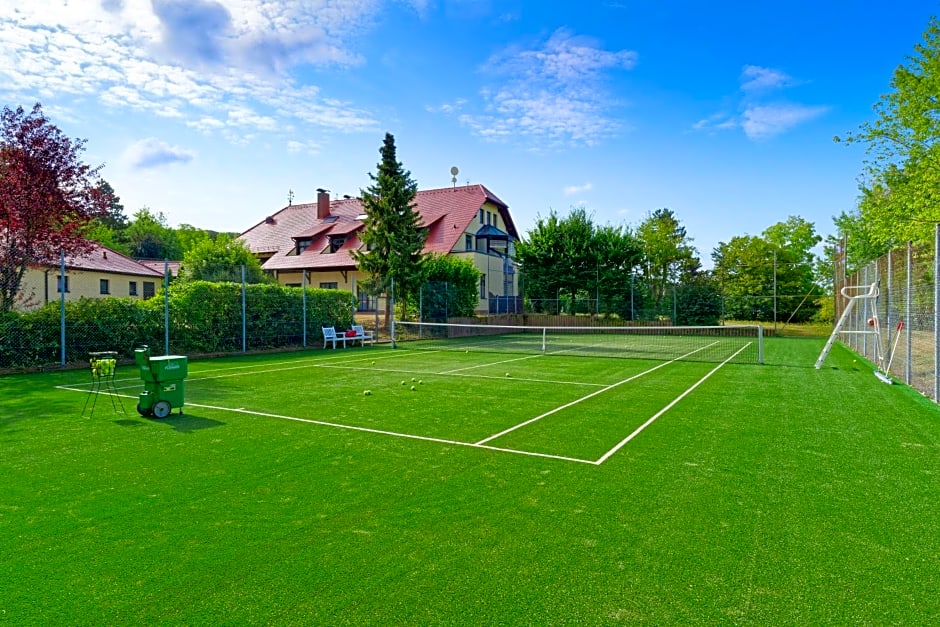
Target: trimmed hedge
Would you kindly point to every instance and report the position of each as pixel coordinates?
(204, 318)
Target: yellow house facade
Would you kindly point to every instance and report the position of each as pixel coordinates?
(102, 273)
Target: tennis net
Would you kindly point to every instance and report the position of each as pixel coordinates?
(741, 343)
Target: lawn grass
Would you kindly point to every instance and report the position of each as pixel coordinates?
(773, 494)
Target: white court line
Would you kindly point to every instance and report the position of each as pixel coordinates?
(591, 395)
(408, 436)
(482, 443)
(394, 434)
(495, 363)
(662, 411)
(449, 373)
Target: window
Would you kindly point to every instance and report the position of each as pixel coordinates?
(481, 216)
(337, 242)
(302, 245)
(58, 284)
(489, 217)
(366, 301)
(483, 286)
(329, 285)
(104, 286)
(149, 289)
(132, 288)
(468, 242)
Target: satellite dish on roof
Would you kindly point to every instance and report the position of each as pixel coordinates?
(453, 175)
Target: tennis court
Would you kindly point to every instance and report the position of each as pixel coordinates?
(497, 392)
(768, 493)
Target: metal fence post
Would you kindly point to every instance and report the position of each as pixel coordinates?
(62, 303)
(166, 306)
(936, 308)
(303, 303)
(907, 312)
(244, 314)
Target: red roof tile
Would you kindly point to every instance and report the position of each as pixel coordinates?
(447, 212)
(102, 259)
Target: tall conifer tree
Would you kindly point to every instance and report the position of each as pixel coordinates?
(393, 237)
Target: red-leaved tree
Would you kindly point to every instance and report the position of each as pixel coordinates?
(47, 197)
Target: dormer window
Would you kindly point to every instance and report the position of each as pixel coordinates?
(336, 242)
(302, 245)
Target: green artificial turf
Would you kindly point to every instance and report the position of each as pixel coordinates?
(774, 494)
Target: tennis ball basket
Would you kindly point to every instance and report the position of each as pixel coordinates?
(164, 383)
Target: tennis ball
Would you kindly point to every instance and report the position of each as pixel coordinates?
(507, 374)
(420, 382)
(367, 393)
(403, 383)
(413, 379)
(373, 363)
(413, 388)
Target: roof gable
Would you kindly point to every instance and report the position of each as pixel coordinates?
(103, 259)
(445, 212)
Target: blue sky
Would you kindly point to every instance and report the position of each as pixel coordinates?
(212, 111)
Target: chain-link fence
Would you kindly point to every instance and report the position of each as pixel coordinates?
(634, 298)
(899, 328)
(191, 317)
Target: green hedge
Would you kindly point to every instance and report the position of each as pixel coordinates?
(204, 318)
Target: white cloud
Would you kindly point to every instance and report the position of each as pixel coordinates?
(755, 78)
(448, 108)
(153, 153)
(571, 190)
(762, 122)
(550, 95)
(755, 117)
(308, 147)
(195, 60)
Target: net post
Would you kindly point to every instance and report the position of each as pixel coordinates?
(760, 344)
(391, 324)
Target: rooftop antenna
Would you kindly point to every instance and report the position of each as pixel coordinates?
(290, 197)
(453, 176)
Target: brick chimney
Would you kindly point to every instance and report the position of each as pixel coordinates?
(323, 203)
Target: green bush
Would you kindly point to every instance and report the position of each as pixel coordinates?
(204, 317)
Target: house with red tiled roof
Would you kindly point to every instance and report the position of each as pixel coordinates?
(100, 273)
(311, 243)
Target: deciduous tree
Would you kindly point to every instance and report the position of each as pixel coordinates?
(901, 193)
(221, 260)
(668, 251)
(149, 237)
(48, 197)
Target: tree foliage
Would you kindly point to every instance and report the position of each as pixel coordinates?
(900, 197)
(575, 257)
(149, 237)
(667, 250)
(393, 238)
(450, 289)
(763, 281)
(221, 259)
(48, 197)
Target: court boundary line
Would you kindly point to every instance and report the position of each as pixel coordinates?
(335, 425)
(481, 444)
(591, 395)
(662, 411)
